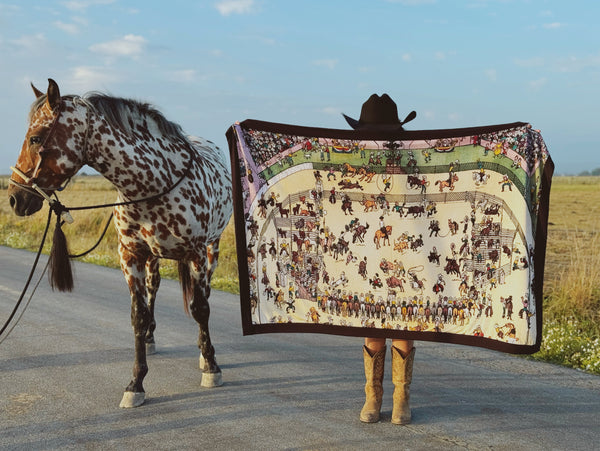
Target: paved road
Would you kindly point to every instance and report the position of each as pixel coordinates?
(63, 369)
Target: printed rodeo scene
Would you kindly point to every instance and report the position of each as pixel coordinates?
(374, 235)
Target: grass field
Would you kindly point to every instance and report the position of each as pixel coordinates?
(572, 275)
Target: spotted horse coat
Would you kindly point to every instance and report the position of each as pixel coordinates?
(143, 155)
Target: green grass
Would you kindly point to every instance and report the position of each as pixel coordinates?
(571, 334)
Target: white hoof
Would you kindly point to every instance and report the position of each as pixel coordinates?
(131, 399)
(210, 380)
(150, 348)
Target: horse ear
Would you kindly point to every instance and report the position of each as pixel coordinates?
(53, 94)
(37, 92)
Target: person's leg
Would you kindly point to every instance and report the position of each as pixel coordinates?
(404, 346)
(375, 344)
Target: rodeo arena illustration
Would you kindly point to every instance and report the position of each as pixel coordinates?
(417, 235)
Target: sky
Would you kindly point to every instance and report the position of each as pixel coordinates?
(208, 64)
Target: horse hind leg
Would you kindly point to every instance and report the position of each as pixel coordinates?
(152, 284)
(201, 273)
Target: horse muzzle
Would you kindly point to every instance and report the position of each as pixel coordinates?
(23, 203)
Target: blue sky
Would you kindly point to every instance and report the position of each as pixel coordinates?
(207, 64)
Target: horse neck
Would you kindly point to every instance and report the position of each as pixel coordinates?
(136, 164)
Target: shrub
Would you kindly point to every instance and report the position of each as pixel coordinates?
(571, 343)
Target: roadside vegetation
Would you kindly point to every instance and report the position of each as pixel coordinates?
(571, 334)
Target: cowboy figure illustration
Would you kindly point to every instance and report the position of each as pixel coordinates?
(505, 183)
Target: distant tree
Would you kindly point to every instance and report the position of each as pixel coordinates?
(594, 172)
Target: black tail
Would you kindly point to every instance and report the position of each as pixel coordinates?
(186, 285)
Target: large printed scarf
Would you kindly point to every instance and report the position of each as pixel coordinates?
(436, 235)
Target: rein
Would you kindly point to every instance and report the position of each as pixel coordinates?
(35, 262)
(63, 215)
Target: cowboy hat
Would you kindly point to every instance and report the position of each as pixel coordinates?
(379, 113)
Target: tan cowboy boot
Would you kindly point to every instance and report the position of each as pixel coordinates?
(373, 388)
(401, 377)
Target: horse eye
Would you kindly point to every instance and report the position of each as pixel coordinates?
(35, 140)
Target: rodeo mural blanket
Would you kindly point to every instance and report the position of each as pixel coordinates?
(435, 235)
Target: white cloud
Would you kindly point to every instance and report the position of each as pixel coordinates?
(571, 64)
(575, 64)
(537, 84)
(129, 45)
(535, 61)
(69, 28)
(227, 7)
(553, 25)
(407, 57)
(88, 78)
(491, 74)
(32, 42)
(184, 75)
(331, 110)
(81, 5)
(412, 2)
(328, 63)
(6, 10)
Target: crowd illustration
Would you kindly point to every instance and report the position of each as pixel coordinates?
(347, 247)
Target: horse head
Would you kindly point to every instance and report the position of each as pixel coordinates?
(47, 158)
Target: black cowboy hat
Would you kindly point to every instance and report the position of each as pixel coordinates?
(379, 113)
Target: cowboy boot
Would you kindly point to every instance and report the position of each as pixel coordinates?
(401, 377)
(373, 388)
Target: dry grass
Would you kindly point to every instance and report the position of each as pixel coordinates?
(572, 276)
(26, 233)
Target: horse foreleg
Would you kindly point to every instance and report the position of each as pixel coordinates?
(152, 284)
(133, 268)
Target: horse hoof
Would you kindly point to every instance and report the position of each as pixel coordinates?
(210, 380)
(150, 348)
(132, 399)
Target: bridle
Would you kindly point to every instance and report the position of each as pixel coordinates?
(31, 184)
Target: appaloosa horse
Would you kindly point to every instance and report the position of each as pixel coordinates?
(175, 195)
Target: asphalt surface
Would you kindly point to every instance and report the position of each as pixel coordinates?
(65, 365)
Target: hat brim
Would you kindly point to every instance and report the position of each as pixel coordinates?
(357, 125)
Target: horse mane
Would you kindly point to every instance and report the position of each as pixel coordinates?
(121, 113)
(36, 105)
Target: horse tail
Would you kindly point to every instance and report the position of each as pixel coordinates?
(187, 285)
